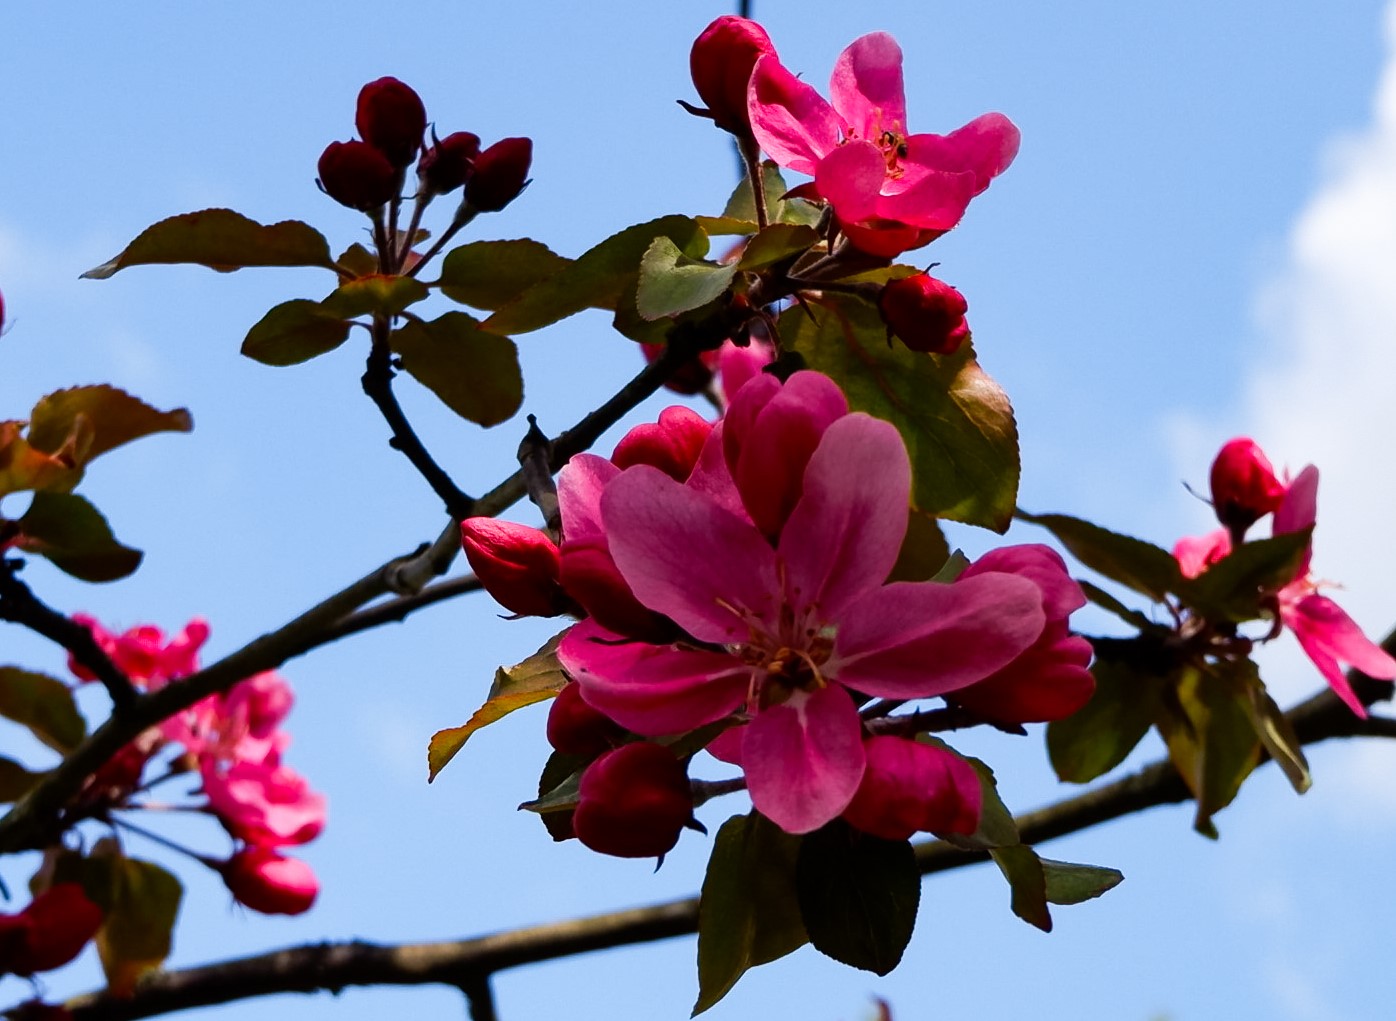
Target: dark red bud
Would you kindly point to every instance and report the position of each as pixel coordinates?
(516, 564)
(50, 932)
(693, 376)
(721, 61)
(575, 728)
(633, 802)
(501, 172)
(926, 314)
(391, 118)
(266, 882)
(672, 444)
(1244, 486)
(449, 162)
(357, 175)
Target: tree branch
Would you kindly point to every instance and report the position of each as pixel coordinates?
(333, 966)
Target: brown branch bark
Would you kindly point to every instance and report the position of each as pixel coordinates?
(335, 966)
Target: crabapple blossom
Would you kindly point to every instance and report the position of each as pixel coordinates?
(1244, 486)
(357, 175)
(721, 63)
(501, 173)
(264, 803)
(633, 802)
(516, 564)
(575, 728)
(448, 164)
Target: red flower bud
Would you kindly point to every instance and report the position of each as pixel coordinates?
(909, 787)
(1244, 486)
(632, 802)
(391, 118)
(50, 932)
(693, 376)
(266, 882)
(575, 728)
(501, 172)
(1049, 681)
(516, 564)
(449, 162)
(926, 314)
(357, 175)
(722, 60)
(672, 444)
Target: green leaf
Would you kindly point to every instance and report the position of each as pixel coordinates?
(671, 283)
(1140, 565)
(598, 278)
(491, 274)
(141, 905)
(740, 211)
(476, 374)
(777, 243)
(294, 332)
(378, 294)
(1272, 726)
(1027, 881)
(359, 261)
(997, 827)
(1232, 589)
(924, 550)
(537, 678)
(223, 240)
(858, 895)
(75, 538)
(43, 704)
(1207, 727)
(15, 781)
(22, 467)
(956, 421)
(1075, 884)
(558, 770)
(115, 418)
(1098, 736)
(748, 914)
(1108, 602)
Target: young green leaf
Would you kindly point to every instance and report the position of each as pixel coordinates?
(293, 332)
(1074, 884)
(222, 240)
(1098, 736)
(491, 274)
(1142, 566)
(74, 536)
(476, 374)
(1027, 881)
(43, 704)
(671, 283)
(114, 417)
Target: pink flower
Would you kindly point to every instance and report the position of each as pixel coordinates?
(909, 787)
(783, 626)
(891, 191)
(264, 804)
(142, 652)
(1244, 486)
(721, 62)
(516, 564)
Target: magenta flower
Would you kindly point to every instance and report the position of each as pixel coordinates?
(782, 627)
(891, 191)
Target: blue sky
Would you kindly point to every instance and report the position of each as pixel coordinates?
(1197, 240)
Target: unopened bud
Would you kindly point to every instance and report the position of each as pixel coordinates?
(266, 882)
(391, 118)
(909, 787)
(357, 175)
(721, 61)
(1244, 486)
(50, 932)
(575, 728)
(692, 377)
(449, 162)
(633, 802)
(516, 564)
(501, 172)
(672, 444)
(925, 314)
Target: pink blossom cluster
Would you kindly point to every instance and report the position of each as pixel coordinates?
(1245, 489)
(235, 742)
(736, 573)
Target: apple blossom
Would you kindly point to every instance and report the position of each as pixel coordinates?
(891, 191)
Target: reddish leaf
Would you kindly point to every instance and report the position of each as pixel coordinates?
(222, 240)
(115, 417)
(294, 332)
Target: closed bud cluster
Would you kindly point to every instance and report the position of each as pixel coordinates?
(925, 314)
(48, 933)
(721, 61)
(633, 802)
(264, 881)
(516, 564)
(501, 173)
(391, 118)
(1244, 486)
(575, 728)
(449, 162)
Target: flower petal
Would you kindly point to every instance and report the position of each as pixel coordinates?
(579, 486)
(926, 198)
(1329, 636)
(910, 787)
(652, 689)
(844, 535)
(794, 124)
(685, 557)
(851, 178)
(985, 147)
(866, 86)
(918, 639)
(1043, 566)
(804, 758)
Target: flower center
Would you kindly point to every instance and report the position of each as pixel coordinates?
(893, 147)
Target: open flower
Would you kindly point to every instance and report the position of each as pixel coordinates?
(891, 190)
(784, 629)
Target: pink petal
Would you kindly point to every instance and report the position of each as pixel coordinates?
(926, 198)
(850, 178)
(712, 478)
(1041, 565)
(579, 486)
(1197, 553)
(910, 787)
(652, 689)
(795, 125)
(866, 86)
(1299, 510)
(844, 535)
(985, 147)
(1329, 636)
(918, 639)
(804, 758)
(685, 557)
